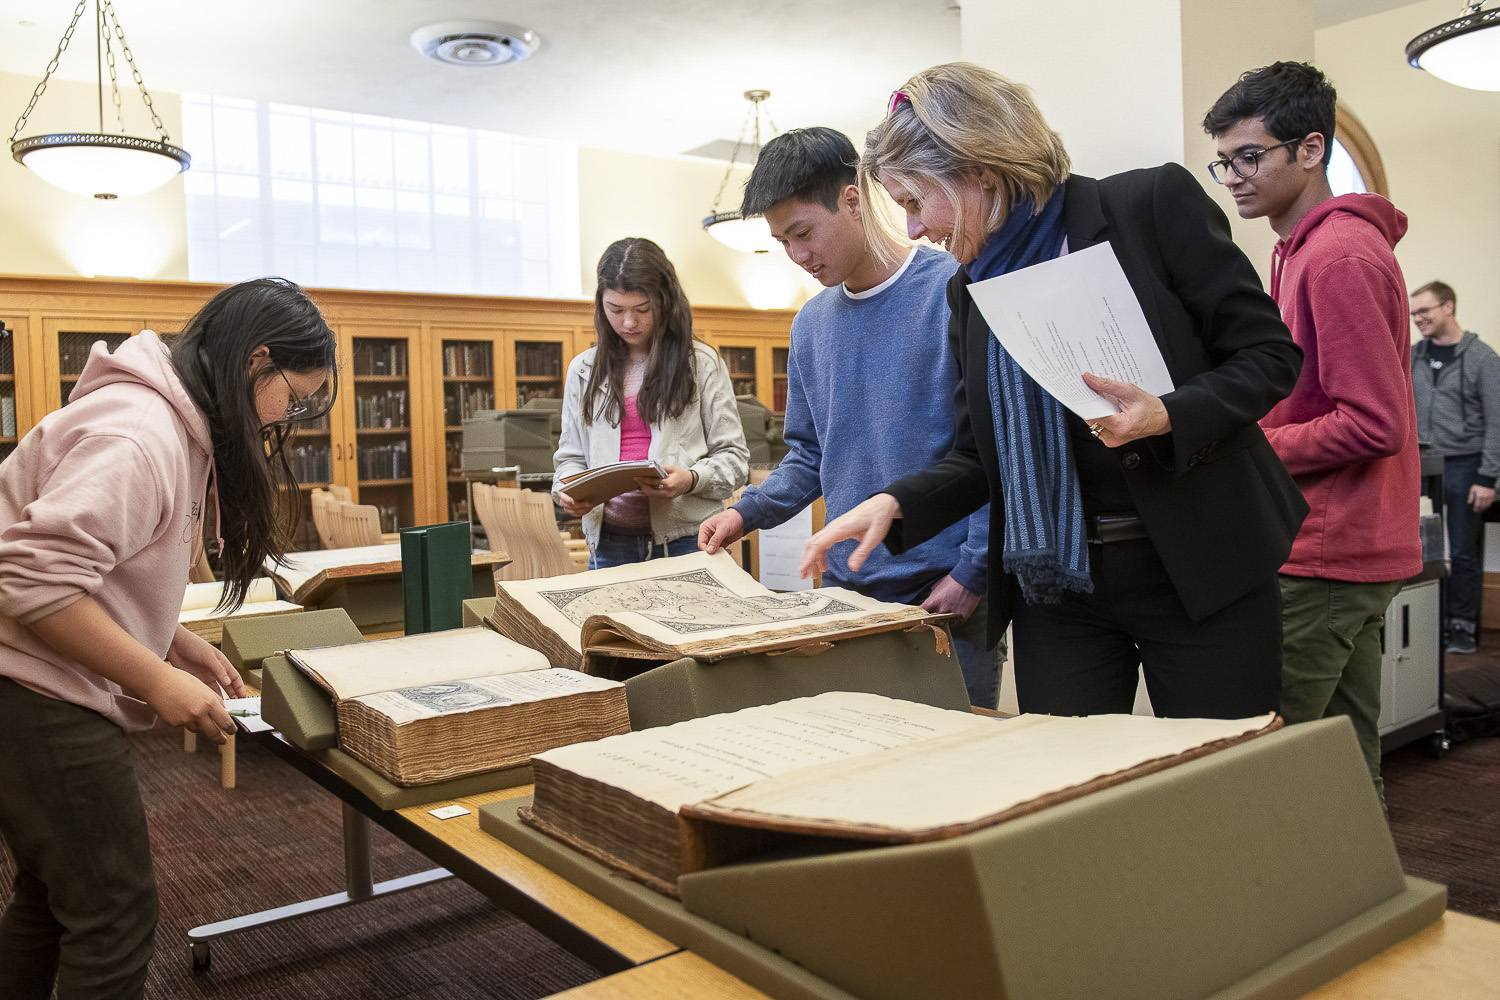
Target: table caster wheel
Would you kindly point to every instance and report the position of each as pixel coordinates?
(202, 957)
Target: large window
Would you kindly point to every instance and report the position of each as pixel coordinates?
(328, 198)
(1356, 164)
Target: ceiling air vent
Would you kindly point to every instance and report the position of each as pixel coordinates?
(474, 43)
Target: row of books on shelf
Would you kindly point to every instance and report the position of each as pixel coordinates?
(311, 463)
(73, 349)
(526, 393)
(467, 360)
(539, 359)
(379, 357)
(384, 461)
(460, 402)
(385, 410)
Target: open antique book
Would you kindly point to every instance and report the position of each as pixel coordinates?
(604, 482)
(425, 708)
(202, 619)
(308, 575)
(697, 605)
(661, 802)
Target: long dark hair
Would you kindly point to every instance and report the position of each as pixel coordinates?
(636, 264)
(257, 492)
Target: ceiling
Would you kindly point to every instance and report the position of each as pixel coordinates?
(660, 77)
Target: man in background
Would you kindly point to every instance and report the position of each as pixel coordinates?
(1456, 380)
(870, 383)
(1347, 433)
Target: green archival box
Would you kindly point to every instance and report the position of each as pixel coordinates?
(436, 576)
(1254, 873)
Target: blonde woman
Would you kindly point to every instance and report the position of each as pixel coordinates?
(1147, 539)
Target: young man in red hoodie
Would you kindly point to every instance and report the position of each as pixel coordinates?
(1347, 432)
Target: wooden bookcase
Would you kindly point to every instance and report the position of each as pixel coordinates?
(412, 366)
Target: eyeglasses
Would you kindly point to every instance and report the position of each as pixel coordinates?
(1243, 164)
(296, 406)
(1422, 312)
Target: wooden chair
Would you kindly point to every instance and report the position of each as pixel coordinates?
(522, 523)
(323, 503)
(356, 524)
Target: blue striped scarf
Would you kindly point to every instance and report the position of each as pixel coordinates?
(1045, 546)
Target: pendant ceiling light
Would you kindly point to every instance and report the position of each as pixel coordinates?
(102, 164)
(1464, 51)
(730, 228)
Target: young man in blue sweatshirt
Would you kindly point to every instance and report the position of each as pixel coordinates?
(870, 384)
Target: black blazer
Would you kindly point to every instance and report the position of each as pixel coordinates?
(1217, 503)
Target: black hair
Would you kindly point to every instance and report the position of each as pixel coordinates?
(257, 492)
(804, 164)
(1294, 99)
(635, 264)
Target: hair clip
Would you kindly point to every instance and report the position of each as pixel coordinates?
(897, 99)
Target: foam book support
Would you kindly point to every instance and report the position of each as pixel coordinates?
(247, 642)
(303, 713)
(1253, 873)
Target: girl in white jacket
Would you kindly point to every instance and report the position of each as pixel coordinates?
(647, 389)
(102, 509)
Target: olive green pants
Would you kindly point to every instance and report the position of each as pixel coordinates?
(1331, 636)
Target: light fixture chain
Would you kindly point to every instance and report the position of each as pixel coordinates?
(51, 66)
(114, 81)
(734, 155)
(135, 72)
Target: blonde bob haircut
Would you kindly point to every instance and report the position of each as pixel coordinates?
(958, 121)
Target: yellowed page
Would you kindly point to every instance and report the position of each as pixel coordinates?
(408, 661)
(203, 596)
(454, 697)
(685, 600)
(300, 567)
(964, 777)
(695, 760)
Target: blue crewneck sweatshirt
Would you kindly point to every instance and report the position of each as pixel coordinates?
(869, 400)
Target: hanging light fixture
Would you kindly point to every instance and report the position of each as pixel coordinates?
(102, 164)
(1464, 51)
(730, 228)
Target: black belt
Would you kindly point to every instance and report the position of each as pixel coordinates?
(1115, 528)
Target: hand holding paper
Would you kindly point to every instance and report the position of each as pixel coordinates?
(1139, 415)
(1071, 315)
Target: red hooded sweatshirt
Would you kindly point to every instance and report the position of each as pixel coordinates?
(1348, 430)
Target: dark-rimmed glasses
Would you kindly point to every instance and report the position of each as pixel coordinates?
(1243, 164)
(296, 406)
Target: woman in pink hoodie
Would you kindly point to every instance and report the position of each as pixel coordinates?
(101, 517)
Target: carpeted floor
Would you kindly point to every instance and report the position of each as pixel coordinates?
(277, 839)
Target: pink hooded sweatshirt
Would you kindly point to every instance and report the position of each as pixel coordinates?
(1348, 431)
(104, 497)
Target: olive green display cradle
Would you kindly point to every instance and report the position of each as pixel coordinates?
(1254, 873)
(248, 641)
(303, 713)
(904, 665)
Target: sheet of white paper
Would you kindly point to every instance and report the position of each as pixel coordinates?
(781, 552)
(1071, 315)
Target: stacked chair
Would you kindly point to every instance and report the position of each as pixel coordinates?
(341, 524)
(522, 523)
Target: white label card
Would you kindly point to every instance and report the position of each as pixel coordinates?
(449, 812)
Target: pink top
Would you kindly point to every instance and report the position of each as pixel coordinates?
(630, 513)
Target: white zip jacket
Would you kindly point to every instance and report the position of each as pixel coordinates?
(705, 437)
